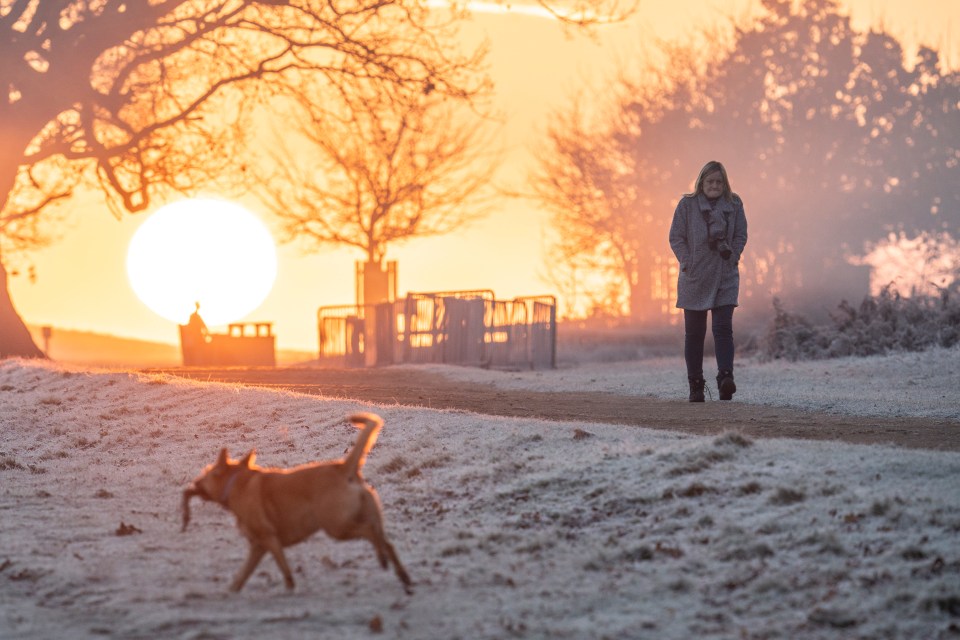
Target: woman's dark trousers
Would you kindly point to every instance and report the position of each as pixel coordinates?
(695, 331)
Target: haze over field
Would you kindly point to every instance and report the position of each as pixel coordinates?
(536, 67)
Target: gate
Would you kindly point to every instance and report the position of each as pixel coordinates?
(467, 327)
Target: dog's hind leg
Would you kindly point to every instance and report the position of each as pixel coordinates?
(372, 530)
(253, 559)
(386, 554)
(398, 569)
(276, 550)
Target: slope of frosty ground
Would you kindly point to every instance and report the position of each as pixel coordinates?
(510, 528)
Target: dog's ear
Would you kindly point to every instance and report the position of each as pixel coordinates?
(222, 458)
(249, 458)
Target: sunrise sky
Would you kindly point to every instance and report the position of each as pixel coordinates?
(81, 279)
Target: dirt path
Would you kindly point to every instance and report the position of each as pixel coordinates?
(422, 389)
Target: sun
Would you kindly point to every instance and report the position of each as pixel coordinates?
(202, 250)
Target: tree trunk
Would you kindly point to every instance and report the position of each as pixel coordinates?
(15, 339)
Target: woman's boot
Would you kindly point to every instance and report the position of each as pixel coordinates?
(697, 385)
(726, 385)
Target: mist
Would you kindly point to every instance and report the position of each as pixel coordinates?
(845, 153)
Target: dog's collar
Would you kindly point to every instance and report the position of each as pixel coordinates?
(227, 488)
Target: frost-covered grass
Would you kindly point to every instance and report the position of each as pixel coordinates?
(510, 528)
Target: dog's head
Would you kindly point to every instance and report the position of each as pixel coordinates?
(213, 481)
(216, 480)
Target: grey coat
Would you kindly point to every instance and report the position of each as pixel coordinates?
(706, 280)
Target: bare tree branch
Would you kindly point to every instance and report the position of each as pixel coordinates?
(384, 167)
(148, 97)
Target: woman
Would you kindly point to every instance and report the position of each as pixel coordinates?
(708, 234)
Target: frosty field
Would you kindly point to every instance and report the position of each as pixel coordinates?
(509, 527)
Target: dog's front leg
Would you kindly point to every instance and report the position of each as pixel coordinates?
(253, 559)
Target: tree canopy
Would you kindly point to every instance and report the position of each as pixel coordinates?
(376, 167)
(832, 139)
(144, 99)
(147, 95)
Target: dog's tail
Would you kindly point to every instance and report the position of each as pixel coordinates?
(370, 423)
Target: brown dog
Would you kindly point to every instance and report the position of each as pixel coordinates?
(276, 508)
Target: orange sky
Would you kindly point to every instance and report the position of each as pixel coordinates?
(81, 279)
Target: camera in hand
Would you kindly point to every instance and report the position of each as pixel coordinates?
(719, 244)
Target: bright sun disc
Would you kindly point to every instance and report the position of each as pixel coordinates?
(202, 250)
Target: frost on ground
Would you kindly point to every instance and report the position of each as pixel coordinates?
(510, 528)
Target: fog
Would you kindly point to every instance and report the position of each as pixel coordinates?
(844, 149)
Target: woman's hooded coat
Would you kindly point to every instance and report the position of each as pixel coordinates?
(706, 280)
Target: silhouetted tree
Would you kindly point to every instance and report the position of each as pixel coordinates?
(610, 180)
(375, 167)
(852, 143)
(587, 184)
(141, 98)
(830, 138)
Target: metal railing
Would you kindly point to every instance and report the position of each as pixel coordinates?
(454, 327)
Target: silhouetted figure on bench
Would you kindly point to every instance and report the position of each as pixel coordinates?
(194, 336)
(234, 348)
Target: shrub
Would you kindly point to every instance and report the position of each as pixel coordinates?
(880, 324)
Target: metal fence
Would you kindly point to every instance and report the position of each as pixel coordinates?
(453, 327)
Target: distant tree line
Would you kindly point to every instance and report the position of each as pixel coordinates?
(833, 141)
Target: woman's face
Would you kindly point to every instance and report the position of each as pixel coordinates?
(713, 185)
